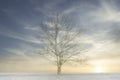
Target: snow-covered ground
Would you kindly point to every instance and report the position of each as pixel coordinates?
(18, 76)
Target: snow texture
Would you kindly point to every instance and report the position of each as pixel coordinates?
(19, 76)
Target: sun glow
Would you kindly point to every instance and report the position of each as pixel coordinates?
(98, 70)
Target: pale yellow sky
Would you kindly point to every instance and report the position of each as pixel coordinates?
(100, 65)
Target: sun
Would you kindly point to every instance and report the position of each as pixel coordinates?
(98, 69)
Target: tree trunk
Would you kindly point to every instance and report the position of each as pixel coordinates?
(59, 69)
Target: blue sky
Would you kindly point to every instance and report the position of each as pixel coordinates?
(20, 21)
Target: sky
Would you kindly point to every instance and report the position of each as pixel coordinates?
(19, 34)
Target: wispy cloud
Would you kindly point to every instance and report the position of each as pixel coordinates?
(20, 36)
(108, 12)
(23, 51)
(31, 27)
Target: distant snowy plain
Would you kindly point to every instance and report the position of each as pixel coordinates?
(34, 76)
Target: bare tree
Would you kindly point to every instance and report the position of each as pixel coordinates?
(60, 45)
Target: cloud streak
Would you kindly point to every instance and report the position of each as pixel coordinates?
(19, 36)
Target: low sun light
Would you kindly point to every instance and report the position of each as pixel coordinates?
(98, 70)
